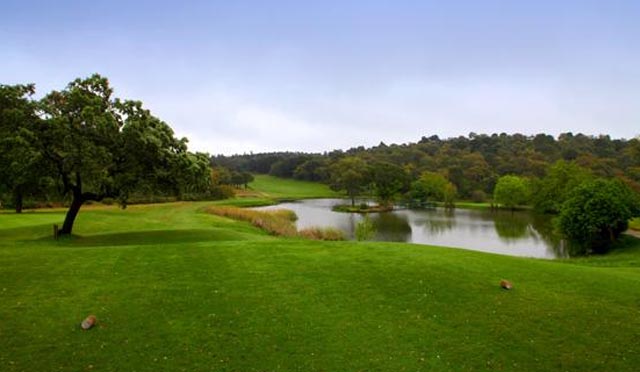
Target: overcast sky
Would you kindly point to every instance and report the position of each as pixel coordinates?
(239, 76)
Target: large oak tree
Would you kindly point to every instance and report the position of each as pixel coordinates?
(102, 147)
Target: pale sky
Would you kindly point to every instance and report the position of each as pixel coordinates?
(242, 76)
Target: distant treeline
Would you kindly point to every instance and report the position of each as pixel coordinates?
(473, 163)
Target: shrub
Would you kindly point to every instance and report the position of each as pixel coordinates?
(596, 213)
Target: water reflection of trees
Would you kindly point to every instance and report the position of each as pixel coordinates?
(539, 227)
(438, 222)
(512, 226)
(391, 227)
(544, 225)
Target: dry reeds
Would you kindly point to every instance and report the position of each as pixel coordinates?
(319, 233)
(276, 222)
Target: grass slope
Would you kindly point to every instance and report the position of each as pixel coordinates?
(281, 188)
(176, 289)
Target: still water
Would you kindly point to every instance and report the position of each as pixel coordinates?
(516, 234)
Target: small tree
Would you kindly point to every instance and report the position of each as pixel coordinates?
(388, 180)
(433, 186)
(246, 179)
(596, 212)
(511, 191)
(350, 174)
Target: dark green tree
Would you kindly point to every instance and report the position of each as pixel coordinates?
(350, 174)
(246, 179)
(550, 192)
(192, 175)
(388, 180)
(103, 147)
(597, 212)
(21, 167)
(311, 170)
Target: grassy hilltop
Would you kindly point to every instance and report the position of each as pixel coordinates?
(177, 289)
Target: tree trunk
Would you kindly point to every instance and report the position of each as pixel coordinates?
(612, 235)
(77, 202)
(18, 200)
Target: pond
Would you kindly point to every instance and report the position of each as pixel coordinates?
(503, 232)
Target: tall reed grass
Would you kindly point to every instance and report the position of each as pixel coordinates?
(278, 222)
(275, 222)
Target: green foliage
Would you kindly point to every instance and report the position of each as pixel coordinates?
(596, 212)
(388, 180)
(365, 229)
(311, 170)
(472, 163)
(22, 170)
(286, 166)
(239, 179)
(551, 191)
(511, 191)
(100, 146)
(433, 186)
(350, 174)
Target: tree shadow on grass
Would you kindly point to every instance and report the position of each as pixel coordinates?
(151, 237)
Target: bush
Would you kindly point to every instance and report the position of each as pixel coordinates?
(596, 213)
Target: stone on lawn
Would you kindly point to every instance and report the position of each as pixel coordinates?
(506, 284)
(89, 322)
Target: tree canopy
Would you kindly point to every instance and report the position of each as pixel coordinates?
(472, 164)
(350, 174)
(93, 146)
(511, 191)
(21, 166)
(596, 212)
(552, 190)
(433, 186)
(388, 180)
(101, 146)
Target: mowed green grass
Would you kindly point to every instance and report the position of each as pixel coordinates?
(176, 289)
(280, 188)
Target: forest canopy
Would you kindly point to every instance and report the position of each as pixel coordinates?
(473, 164)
